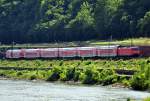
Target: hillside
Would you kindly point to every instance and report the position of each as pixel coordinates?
(44, 21)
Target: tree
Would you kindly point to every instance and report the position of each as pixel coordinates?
(68, 20)
(53, 19)
(83, 23)
(17, 19)
(105, 11)
(144, 25)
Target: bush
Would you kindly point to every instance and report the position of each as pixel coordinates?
(19, 73)
(70, 73)
(147, 99)
(76, 75)
(126, 83)
(61, 63)
(88, 63)
(55, 74)
(67, 74)
(128, 99)
(91, 76)
(2, 73)
(42, 74)
(110, 79)
(33, 77)
(139, 82)
(107, 76)
(63, 76)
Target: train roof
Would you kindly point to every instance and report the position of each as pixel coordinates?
(85, 48)
(14, 50)
(50, 49)
(71, 48)
(107, 47)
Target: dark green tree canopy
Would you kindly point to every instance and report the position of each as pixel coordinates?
(35, 21)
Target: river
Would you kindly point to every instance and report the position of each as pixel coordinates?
(15, 90)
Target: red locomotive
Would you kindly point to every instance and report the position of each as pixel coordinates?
(128, 51)
(99, 51)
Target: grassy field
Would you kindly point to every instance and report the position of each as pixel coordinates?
(135, 41)
(138, 41)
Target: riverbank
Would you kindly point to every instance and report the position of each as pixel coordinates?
(91, 72)
(77, 83)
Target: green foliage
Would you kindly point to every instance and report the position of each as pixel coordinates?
(63, 20)
(19, 73)
(55, 74)
(91, 76)
(147, 99)
(85, 71)
(128, 99)
(87, 62)
(76, 75)
(107, 77)
(68, 74)
(32, 77)
(144, 24)
(138, 82)
(61, 63)
(84, 17)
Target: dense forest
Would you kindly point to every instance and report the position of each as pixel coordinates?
(36, 21)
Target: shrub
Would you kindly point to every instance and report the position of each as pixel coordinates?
(76, 75)
(139, 82)
(107, 76)
(147, 99)
(91, 76)
(128, 99)
(33, 77)
(55, 74)
(126, 82)
(110, 79)
(78, 64)
(70, 73)
(88, 63)
(63, 76)
(19, 73)
(42, 74)
(67, 74)
(61, 63)
(2, 73)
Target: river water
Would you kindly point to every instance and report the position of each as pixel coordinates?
(13, 90)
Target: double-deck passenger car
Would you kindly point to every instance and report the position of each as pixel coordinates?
(81, 52)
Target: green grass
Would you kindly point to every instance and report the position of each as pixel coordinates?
(135, 41)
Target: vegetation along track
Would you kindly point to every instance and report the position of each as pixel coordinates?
(118, 71)
(134, 73)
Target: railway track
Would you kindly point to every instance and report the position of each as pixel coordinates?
(118, 71)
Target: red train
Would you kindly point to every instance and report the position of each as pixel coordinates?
(100, 51)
